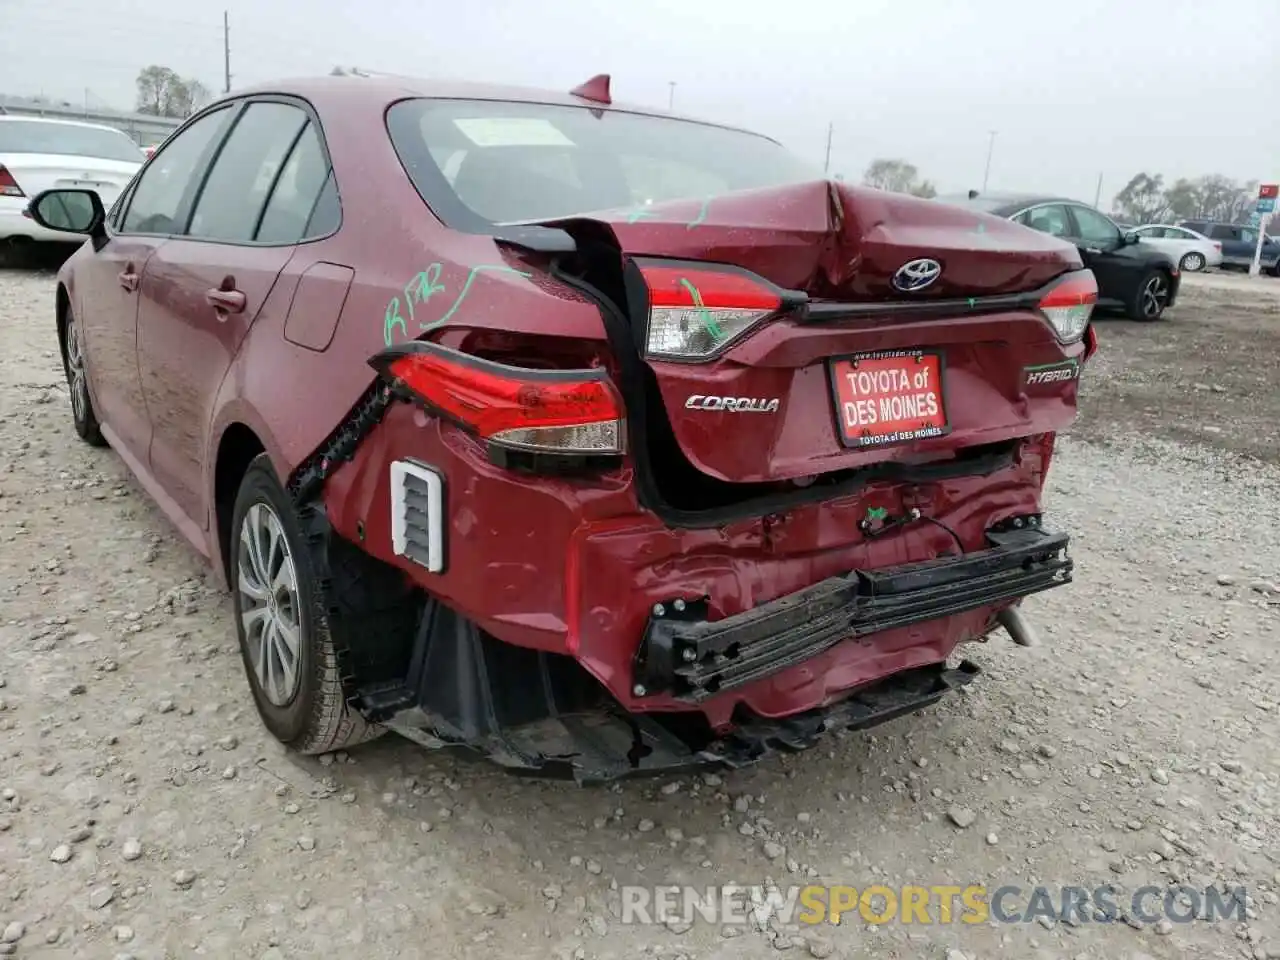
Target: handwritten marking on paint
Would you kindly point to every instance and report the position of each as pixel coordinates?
(645, 212)
(708, 321)
(702, 214)
(877, 513)
(419, 291)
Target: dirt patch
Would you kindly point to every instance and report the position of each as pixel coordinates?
(1209, 374)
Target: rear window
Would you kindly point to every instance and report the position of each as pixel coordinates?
(34, 136)
(500, 162)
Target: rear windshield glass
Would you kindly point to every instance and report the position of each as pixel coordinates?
(33, 136)
(507, 162)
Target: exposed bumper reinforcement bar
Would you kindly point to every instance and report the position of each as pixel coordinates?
(684, 654)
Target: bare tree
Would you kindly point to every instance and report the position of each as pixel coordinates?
(163, 93)
(154, 83)
(897, 176)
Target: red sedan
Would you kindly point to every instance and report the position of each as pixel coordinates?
(578, 434)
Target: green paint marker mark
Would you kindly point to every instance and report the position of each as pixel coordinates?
(972, 303)
(392, 319)
(877, 513)
(980, 228)
(640, 213)
(422, 287)
(708, 321)
(466, 289)
(702, 214)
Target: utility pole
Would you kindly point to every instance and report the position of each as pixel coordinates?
(226, 51)
(1097, 194)
(671, 95)
(831, 128)
(991, 146)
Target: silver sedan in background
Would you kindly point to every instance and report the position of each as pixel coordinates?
(1191, 251)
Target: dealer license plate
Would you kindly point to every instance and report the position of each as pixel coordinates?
(889, 396)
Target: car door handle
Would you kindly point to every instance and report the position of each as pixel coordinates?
(226, 301)
(129, 279)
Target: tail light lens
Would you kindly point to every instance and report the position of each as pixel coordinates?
(541, 411)
(696, 310)
(1069, 304)
(1217, 246)
(9, 186)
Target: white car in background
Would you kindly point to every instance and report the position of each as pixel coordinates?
(1191, 251)
(39, 154)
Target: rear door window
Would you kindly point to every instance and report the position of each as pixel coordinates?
(1223, 231)
(1050, 218)
(245, 171)
(287, 216)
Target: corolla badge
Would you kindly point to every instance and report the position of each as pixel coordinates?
(916, 275)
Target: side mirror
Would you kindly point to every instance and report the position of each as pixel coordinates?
(1129, 239)
(71, 211)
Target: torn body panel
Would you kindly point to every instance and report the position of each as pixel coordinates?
(574, 566)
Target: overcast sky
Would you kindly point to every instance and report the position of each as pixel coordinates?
(1073, 89)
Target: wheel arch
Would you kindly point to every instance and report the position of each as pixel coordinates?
(62, 301)
(238, 447)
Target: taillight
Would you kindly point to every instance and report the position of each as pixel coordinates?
(1069, 304)
(1217, 246)
(541, 411)
(696, 310)
(9, 186)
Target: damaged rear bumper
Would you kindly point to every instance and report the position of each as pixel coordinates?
(530, 710)
(693, 659)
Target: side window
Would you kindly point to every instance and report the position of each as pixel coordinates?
(1050, 219)
(1247, 235)
(243, 173)
(327, 215)
(1154, 232)
(297, 190)
(155, 205)
(1093, 227)
(1222, 231)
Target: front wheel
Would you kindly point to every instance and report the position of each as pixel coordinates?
(1192, 262)
(289, 655)
(83, 415)
(1151, 297)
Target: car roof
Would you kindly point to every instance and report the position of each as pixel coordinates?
(62, 123)
(382, 89)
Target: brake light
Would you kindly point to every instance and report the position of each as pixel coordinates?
(1217, 246)
(550, 411)
(9, 186)
(696, 310)
(1069, 305)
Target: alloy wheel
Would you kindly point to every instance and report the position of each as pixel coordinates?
(1155, 294)
(75, 373)
(267, 581)
(1193, 262)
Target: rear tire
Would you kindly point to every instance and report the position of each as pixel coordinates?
(1192, 262)
(1150, 297)
(289, 656)
(73, 365)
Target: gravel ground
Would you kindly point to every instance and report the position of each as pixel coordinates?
(145, 812)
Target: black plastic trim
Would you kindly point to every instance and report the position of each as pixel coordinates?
(694, 659)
